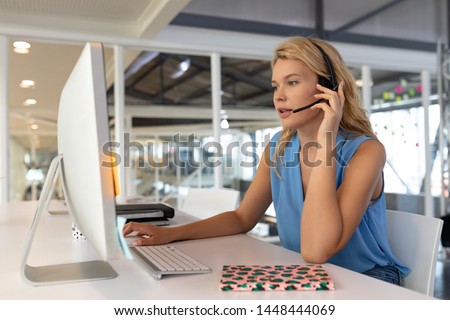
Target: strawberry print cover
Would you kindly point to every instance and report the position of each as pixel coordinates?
(275, 278)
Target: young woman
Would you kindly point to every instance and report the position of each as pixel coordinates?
(323, 171)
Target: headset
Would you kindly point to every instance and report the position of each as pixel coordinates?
(328, 83)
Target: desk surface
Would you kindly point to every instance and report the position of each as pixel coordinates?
(53, 244)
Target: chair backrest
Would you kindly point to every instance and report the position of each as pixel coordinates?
(206, 202)
(414, 240)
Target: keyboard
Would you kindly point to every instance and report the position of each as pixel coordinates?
(167, 259)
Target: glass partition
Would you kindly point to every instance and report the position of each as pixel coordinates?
(169, 139)
(402, 133)
(398, 118)
(168, 109)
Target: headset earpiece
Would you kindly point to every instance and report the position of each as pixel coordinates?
(332, 82)
(325, 82)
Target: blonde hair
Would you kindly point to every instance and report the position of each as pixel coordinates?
(355, 120)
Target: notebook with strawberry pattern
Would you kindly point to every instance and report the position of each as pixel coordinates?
(275, 278)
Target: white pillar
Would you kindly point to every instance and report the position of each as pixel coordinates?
(178, 175)
(442, 124)
(216, 88)
(119, 106)
(4, 126)
(130, 171)
(33, 158)
(428, 199)
(366, 76)
(155, 153)
(199, 177)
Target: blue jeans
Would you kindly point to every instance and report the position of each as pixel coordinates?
(387, 273)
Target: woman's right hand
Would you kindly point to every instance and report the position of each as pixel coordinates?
(150, 234)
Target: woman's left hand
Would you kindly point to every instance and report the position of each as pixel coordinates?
(332, 107)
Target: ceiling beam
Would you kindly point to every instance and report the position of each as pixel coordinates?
(448, 23)
(157, 16)
(239, 76)
(205, 112)
(271, 29)
(200, 129)
(319, 12)
(233, 77)
(365, 17)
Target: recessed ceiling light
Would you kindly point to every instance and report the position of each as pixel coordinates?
(21, 47)
(27, 84)
(29, 102)
(21, 51)
(34, 126)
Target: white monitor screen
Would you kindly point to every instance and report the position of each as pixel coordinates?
(82, 131)
(88, 183)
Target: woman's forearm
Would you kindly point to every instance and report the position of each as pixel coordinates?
(226, 223)
(321, 225)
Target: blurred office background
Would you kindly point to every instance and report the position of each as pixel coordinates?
(198, 72)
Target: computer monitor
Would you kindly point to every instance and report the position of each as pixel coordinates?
(87, 183)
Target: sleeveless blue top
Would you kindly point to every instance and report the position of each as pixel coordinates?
(367, 247)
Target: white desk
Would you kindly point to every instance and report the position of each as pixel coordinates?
(53, 244)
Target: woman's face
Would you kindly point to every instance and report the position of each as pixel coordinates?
(294, 86)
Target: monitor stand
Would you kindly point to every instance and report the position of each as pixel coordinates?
(60, 273)
(63, 210)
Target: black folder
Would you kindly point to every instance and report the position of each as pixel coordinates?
(145, 212)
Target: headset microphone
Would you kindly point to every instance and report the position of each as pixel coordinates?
(312, 104)
(331, 84)
(308, 106)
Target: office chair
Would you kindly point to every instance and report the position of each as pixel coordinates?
(445, 238)
(206, 202)
(415, 240)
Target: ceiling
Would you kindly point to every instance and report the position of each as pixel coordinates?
(158, 92)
